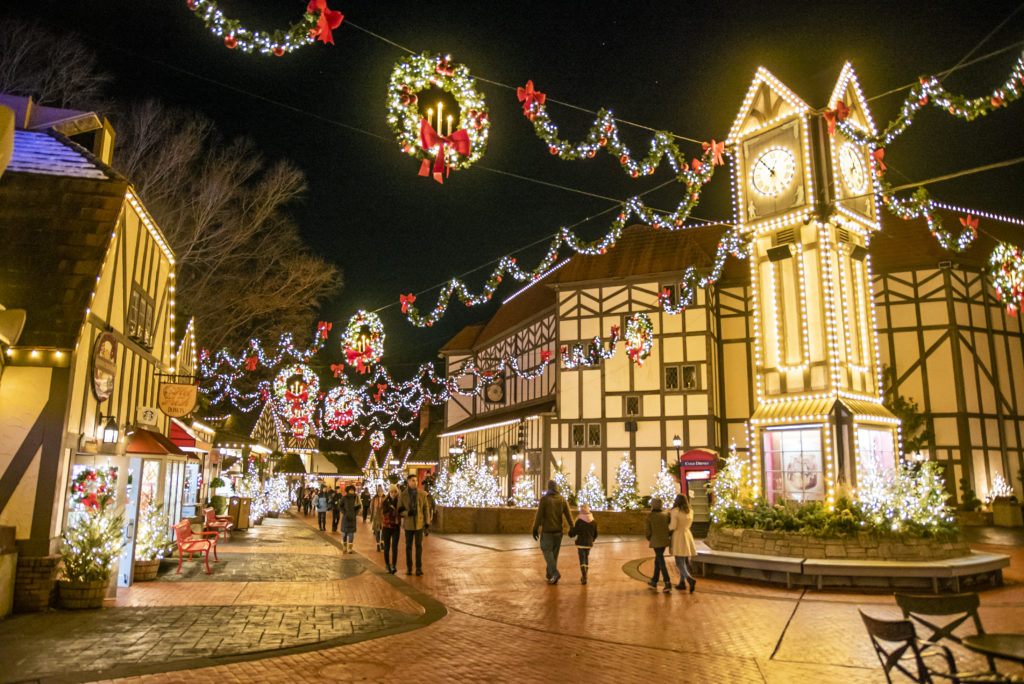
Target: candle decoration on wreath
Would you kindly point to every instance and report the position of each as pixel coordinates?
(363, 343)
(296, 391)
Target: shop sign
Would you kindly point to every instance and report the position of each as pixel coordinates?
(177, 400)
(104, 366)
(147, 416)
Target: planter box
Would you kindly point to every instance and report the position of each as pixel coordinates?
(451, 520)
(35, 583)
(974, 518)
(145, 571)
(81, 595)
(1006, 513)
(861, 546)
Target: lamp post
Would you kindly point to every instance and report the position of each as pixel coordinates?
(676, 442)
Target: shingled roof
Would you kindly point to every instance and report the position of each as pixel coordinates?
(54, 194)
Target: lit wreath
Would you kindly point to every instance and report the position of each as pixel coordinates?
(341, 407)
(360, 349)
(317, 23)
(297, 407)
(639, 337)
(1007, 269)
(94, 488)
(465, 143)
(376, 439)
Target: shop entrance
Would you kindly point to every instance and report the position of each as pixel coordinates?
(700, 501)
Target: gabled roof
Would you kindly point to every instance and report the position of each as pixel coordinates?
(848, 92)
(539, 298)
(463, 340)
(54, 193)
(767, 101)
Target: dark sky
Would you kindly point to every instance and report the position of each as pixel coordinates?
(680, 66)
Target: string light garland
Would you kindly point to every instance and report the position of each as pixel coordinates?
(462, 145)
(639, 337)
(1007, 271)
(576, 357)
(316, 23)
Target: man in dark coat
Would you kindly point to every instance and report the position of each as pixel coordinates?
(364, 498)
(552, 509)
(336, 497)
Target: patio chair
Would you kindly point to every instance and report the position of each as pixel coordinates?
(965, 606)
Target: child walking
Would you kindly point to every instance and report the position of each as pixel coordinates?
(683, 548)
(585, 531)
(658, 537)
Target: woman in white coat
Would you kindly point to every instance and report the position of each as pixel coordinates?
(683, 548)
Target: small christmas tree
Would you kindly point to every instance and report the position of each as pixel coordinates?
(731, 487)
(277, 494)
(626, 497)
(92, 543)
(1000, 488)
(523, 494)
(562, 482)
(470, 485)
(152, 540)
(664, 486)
(592, 492)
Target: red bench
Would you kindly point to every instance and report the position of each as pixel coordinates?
(218, 523)
(192, 542)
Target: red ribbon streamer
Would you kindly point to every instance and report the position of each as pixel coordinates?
(459, 140)
(970, 222)
(329, 20)
(879, 155)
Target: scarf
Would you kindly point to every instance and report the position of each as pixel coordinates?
(586, 517)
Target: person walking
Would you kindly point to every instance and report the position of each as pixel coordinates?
(390, 528)
(349, 506)
(416, 516)
(376, 516)
(585, 531)
(683, 549)
(658, 538)
(335, 507)
(552, 508)
(364, 499)
(321, 504)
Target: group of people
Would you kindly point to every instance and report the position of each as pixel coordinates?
(664, 531)
(405, 506)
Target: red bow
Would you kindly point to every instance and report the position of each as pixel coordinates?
(970, 222)
(250, 363)
(380, 392)
(264, 395)
(833, 116)
(295, 399)
(717, 149)
(406, 301)
(615, 331)
(545, 357)
(528, 96)
(696, 165)
(91, 502)
(879, 155)
(459, 140)
(337, 369)
(328, 21)
(356, 358)
(324, 328)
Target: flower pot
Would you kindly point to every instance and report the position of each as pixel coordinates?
(272, 514)
(81, 595)
(145, 571)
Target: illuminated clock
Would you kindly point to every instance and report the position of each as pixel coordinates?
(851, 166)
(495, 391)
(773, 171)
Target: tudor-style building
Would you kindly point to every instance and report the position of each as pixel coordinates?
(784, 354)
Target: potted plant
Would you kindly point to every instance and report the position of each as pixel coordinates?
(151, 543)
(91, 545)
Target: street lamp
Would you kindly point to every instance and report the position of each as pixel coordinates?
(109, 430)
(676, 442)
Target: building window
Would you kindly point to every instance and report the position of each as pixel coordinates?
(689, 377)
(671, 377)
(792, 465)
(594, 434)
(140, 317)
(632, 407)
(877, 456)
(673, 293)
(578, 435)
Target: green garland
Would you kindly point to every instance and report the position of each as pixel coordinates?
(301, 33)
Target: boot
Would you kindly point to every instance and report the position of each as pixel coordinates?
(583, 574)
(693, 583)
(668, 588)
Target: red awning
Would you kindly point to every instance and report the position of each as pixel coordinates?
(148, 442)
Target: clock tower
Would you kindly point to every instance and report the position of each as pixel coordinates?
(807, 199)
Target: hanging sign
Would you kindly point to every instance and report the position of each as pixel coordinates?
(104, 366)
(176, 399)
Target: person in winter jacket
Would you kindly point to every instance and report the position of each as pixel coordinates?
(679, 522)
(335, 501)
(552, 508)
(414, 505)
(321, 503)
(349, 506)
(658, 538)
(375, 516)
(364, 499)
(390, 528)
(585, 531)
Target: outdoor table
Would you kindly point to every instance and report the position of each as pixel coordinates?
(1005, 646)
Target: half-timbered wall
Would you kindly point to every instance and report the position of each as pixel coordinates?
(501, 441)
(959, 356)
(734, 389)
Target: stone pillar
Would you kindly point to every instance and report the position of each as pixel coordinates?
(35, 583)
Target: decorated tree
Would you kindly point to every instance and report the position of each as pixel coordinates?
(152, 539)
(913, 497)
(470, 485)
(731, 487)
(592, 492)
(562, 482)
(523, 496)
(626, 496)
(278, 498)
(94, 535)
(664, 487)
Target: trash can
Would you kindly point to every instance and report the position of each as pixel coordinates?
(238, 509)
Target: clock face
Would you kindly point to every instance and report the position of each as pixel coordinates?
(851, 166)
(773, 171)
(496, 391)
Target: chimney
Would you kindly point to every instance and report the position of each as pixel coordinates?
(103, 142)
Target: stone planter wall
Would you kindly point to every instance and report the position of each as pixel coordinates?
(35, 583)
(449, 520)
(861, 546)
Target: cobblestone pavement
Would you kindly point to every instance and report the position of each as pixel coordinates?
(505, 624)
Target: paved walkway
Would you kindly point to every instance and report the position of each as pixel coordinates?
(501, 622)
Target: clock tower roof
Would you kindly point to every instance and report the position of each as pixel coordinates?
(768, 101)
(848, 91)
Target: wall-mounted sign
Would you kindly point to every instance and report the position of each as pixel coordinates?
(104, 366)
(177, 400)
(147, 416)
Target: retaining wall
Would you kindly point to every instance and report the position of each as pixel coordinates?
(862, 545)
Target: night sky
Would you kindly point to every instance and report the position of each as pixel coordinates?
(679, 66)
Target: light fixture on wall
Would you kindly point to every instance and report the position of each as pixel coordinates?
(110, 430)
(677, 442)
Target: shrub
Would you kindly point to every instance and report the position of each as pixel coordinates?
(220, 504)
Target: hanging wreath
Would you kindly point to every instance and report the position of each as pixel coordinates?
(1007, 268)
(639, 337)
(376, 439)
(94, 488)
(363, 343)
(458, 146)
(341, 407)
(297, 403)
(317, 23)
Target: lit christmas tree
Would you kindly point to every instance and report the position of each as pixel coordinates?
(592, 492)
(523, 494)
(731, 487)
(252, 488)
(562, 482)
(664, 487)
(626, 496)
(1000, 488)
(152, 540)
(277, 494)
(92, 543)
(913, 495)
(470, 485)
